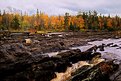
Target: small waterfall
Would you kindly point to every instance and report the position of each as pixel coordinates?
(108, 50)
(66, 75)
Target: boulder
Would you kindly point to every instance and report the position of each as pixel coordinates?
(99, 72)
(28, 41)
(101, 47)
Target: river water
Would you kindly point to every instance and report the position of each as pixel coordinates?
(110, 52)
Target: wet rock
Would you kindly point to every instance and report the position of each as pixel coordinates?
(28, 41)
(29, 75)
(96, 54)
(117, 37)
(65, 59)
(81, 70)
(44, 71)
(26, 33)
(114, 45)
(99, 72)
(49, 65)
(5, 57)
(44, 75)
(33, 49)
(109, 44)
(116, 75)
(61, 65)
(61, 43)
(21, 63)
(92, 49)
(118, 48)
(36, 42)
(69, 53)
(101, 47)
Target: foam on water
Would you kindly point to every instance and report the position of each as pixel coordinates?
(66, 75)
(110, 52)
(114, 52)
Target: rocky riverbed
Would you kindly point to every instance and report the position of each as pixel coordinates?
(60, 57)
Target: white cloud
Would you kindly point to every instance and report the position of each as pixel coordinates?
(58, 7)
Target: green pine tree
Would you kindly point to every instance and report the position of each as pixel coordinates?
(15, 23)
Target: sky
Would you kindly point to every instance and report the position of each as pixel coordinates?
(59, 7)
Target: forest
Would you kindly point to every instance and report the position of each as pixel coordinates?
(40, 21)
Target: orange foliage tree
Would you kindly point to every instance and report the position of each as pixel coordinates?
(41, 21)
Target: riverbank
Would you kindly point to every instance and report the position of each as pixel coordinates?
(26, 57)
(52, 42)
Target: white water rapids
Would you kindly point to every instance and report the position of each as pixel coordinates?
(110, 52)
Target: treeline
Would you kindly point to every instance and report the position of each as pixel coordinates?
(40, 21)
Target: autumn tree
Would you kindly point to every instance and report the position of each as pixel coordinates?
(71, 27)
(66, 21)
(27, 23)
(21, 20)
(5, 20)
(15, 23)
(101, 23)
(0, 20)
(41, 21)
(37, 22)
(85, 17)
(95, 21)
(61, 23)
(80, 22)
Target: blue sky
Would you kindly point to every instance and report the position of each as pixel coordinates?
(59, 7)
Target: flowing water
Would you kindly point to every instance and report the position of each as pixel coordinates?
(110, 52)
(65, 76)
